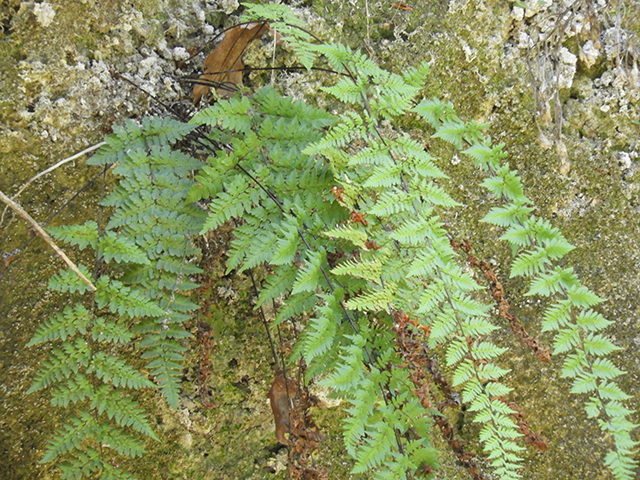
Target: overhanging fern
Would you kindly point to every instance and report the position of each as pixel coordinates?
(344, 211)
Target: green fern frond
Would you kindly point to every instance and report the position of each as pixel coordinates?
(81, 235)
(392, 202)
(385, 176)
(287, 244)
(167, 373)
(66, 280)
(113, 437)
(416, 231)
(363, 402)
(319, 335)
(367, 270)
(295, 305)
(379, 442)
(271, 12)
(308, 277)
(106, 330)
(153, 131)
(71, 435)
(124, 410)
(116, 371)
(352, 233)
(63, 362)
(347, 127)
(121, 249)
(416, 76)
(124, 300)
(487, 156)
(580, 296)
(74, 320)
(347, 91)
(349, 373)
(373, 300)
(530, 263)
(231, 203)
(232, 114)
(512, 214)
(72, 390)
(435, 111)
(276, 284)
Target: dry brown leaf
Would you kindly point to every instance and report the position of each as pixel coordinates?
(227, 58)
(281, 395)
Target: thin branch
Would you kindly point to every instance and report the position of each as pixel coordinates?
(51, 169)
(45, 236)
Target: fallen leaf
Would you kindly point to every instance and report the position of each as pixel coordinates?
(281, 396)
(401, 6)
(223, 67)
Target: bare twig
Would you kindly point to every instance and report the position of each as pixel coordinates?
(51, 169)
(45, 236)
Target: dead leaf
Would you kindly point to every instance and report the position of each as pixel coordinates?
(227, 58)
(281, 396)
(401, 6)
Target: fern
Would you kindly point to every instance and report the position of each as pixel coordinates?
(344, 213)
(145, 241)
(570, 316)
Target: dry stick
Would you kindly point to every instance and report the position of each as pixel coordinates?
(50, 169)
(45, 236)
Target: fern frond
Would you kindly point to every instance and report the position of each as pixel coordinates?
(530, 263)
(512, 214)
(373, 300)
(66, 280)
(231, 203)
(347, 91)
(416, 231)
(392, 202)
(319, 335)
(166, 367)
(435, 111)
(122, 442)
(72, 390)
(367, 270)
(232, 114)
(287, 244)
(349, 373)
(271, 12)
(105, 330)
(71, 435)
(308, 277)
(63, 362)
(352, 233)
(363, 402)
(116, 371)
(348, 126)
(295, 305)
(83, 235)
(124, 410)
(276, 284)
(379, 442)
(153, 131)
(121, 249)
(125, 300)
(74, 320)
(167, 374)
